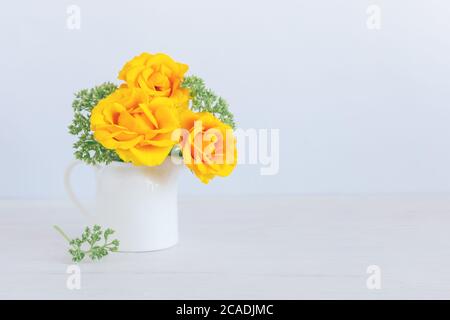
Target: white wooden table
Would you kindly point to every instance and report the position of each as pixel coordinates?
(260, 247)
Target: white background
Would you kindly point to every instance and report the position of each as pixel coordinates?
(359, 111)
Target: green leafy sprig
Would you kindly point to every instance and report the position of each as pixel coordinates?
(204, 99)
(86, 147)
(91, 238)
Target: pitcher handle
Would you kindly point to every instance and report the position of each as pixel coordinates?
(71, 193)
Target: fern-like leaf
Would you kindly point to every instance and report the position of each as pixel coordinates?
(86, 148)
(204, 99)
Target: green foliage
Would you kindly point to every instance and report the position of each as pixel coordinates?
(86, 147)
(90, 238)
(204, 99)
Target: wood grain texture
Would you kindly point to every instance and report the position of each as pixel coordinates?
(259, 247)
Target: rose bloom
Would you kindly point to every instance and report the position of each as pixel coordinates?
(208, 145)
(158, 75)
(137, 127)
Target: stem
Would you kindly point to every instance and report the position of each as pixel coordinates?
(62, 233)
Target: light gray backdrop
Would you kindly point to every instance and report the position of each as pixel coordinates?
(358, 110)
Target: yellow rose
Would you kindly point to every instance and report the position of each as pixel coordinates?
(137, 127)
(158, 75)
(208, 145)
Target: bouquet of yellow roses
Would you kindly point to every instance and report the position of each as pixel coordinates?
(156, 112)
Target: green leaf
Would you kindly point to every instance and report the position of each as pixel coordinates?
(86, 148)
(204, 99)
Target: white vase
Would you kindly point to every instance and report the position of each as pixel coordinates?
(139, 203)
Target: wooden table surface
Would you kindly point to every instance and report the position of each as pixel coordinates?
(258, 247)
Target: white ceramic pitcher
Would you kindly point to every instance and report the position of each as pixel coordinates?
(139, 203)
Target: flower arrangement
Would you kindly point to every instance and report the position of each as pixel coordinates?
(155, 112)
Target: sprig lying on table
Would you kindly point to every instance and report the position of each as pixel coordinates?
(91, 238)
